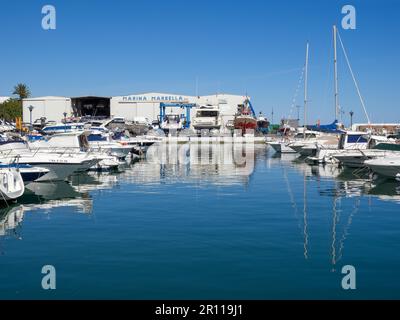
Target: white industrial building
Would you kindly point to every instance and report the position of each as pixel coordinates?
(146, 105)
(52, 108)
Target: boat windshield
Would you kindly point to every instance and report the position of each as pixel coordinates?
(207, 113)
(172, 117)
(356, 138)
(308, 135)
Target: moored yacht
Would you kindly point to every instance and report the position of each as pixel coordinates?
(59, 162)
(11, 184)
(306, 138)
(387, 167)
(349, 140)
(377, 147)
(282, 146)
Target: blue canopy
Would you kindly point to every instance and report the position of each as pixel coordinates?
(329, 128)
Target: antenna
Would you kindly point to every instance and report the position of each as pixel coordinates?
(272, 115)
(197, 86)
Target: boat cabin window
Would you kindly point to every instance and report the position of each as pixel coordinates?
(96, 137)
(95, 124)
(172, 118)
(208, 113)
(118, 120)
(356, 138)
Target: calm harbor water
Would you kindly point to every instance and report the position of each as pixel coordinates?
(272, 228)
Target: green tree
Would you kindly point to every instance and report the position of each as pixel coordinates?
(10, 109)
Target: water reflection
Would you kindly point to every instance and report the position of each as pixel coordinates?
(218, 164)
(353, 185)
(10, 219)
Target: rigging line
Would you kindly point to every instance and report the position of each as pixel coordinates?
(334, 222)
(296, 93)
(354, 78)
(292, 200)
(347, 227)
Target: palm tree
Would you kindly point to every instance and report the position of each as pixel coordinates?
(22, 91)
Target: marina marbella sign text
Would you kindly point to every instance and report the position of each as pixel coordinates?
(154, 98)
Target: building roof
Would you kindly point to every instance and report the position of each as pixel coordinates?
(90, 97)
(46, 98)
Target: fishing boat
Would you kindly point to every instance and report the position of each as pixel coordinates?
(11, 184)
(245, 120)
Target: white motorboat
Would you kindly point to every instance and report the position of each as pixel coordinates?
(28, 172)
(207, 118)
(109, 163)
(285, 144)
(171, 122)
(11, 184)
(60, 163)
(349, 140)
(103, 143)
(378, 147)
(77, 142)
(63, 127)
(281, 146)
(304, 139)
(59, 166)
(387, 167)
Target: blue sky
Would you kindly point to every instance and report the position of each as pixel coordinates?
(234, 46)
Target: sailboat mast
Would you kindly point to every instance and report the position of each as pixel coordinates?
(335, 73)
(305, 91)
